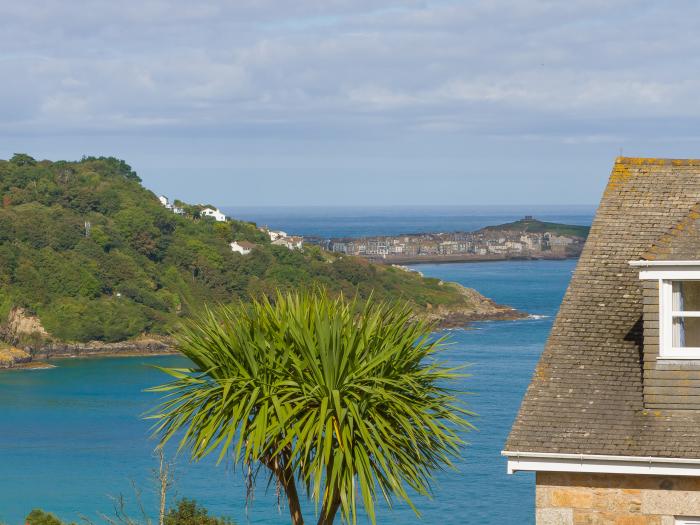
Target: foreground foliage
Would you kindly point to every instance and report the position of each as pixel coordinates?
(39, 517)
(97, 257)
(185, 512)
(344, 407)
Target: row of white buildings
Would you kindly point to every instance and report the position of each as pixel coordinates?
(214, 213)
(277, 238)
(481, 243)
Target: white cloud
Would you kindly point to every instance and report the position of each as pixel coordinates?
(440, 66)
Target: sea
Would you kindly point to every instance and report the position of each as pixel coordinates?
(74, 440)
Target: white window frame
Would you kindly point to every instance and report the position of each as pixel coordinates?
(666, 316)
(665, 272)
(687, 521)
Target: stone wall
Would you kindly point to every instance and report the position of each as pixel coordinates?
(614, 499)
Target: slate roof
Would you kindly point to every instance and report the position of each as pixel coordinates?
(585, 396)
(245, 244)
(680, 242)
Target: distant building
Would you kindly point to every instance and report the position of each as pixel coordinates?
(165, 202)
(215, 214)
(292, 242)
(242, 247)
(560, 240)
(274, 235)
(448, 247)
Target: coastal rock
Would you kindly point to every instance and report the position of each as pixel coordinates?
(12, 357)
(142, 346)
(21, 324)
(476, 307)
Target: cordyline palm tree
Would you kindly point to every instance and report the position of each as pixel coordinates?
(341, 400)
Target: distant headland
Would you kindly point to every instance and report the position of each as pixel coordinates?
(94, 263)
(527, 238)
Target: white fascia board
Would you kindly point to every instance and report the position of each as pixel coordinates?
(654, 270)
(600, 464)
(683, 273)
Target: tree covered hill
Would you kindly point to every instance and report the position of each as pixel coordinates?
(95, 256)
(536, 226)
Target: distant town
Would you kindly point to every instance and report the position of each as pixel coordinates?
(527, 238)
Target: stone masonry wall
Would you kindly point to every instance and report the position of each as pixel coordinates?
(614, 499)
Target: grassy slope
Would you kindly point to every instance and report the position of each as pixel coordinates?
(142, 267)
(537, 226)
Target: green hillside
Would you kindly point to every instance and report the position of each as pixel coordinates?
(91, 252)
(537, 226)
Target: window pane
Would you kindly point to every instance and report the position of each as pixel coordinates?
(686, 296)
(686, 332)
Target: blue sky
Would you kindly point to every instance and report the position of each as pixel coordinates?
(338, 102)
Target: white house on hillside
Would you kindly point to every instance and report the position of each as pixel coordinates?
(214, 214)
(292, 242)
(168, 205)
(242, 247)
(165, 202)
(274, 235)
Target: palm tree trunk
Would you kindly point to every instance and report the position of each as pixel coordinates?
(329, 510)
(285, 476)
(290, 489)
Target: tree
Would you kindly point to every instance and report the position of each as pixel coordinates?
(338, 399)
(39, 517)
(22, 159)
(187, 512)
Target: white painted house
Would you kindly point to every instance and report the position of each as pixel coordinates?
(274, 235)
(170, 206)
(292, 242)
(214, 214)
(242, 247)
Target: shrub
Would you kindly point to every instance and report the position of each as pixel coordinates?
(187, 512)
(39, 517)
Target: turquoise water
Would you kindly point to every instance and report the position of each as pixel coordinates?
(73, 436)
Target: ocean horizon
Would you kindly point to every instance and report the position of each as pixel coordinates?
(358, 221)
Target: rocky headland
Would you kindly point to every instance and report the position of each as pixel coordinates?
(27, 344)
(476, 308)
(11, 357)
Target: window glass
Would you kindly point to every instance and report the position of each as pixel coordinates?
(686, 296)
(686, 332)
(685, 326)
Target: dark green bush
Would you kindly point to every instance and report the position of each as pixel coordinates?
(39, 517)
(187, 512)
